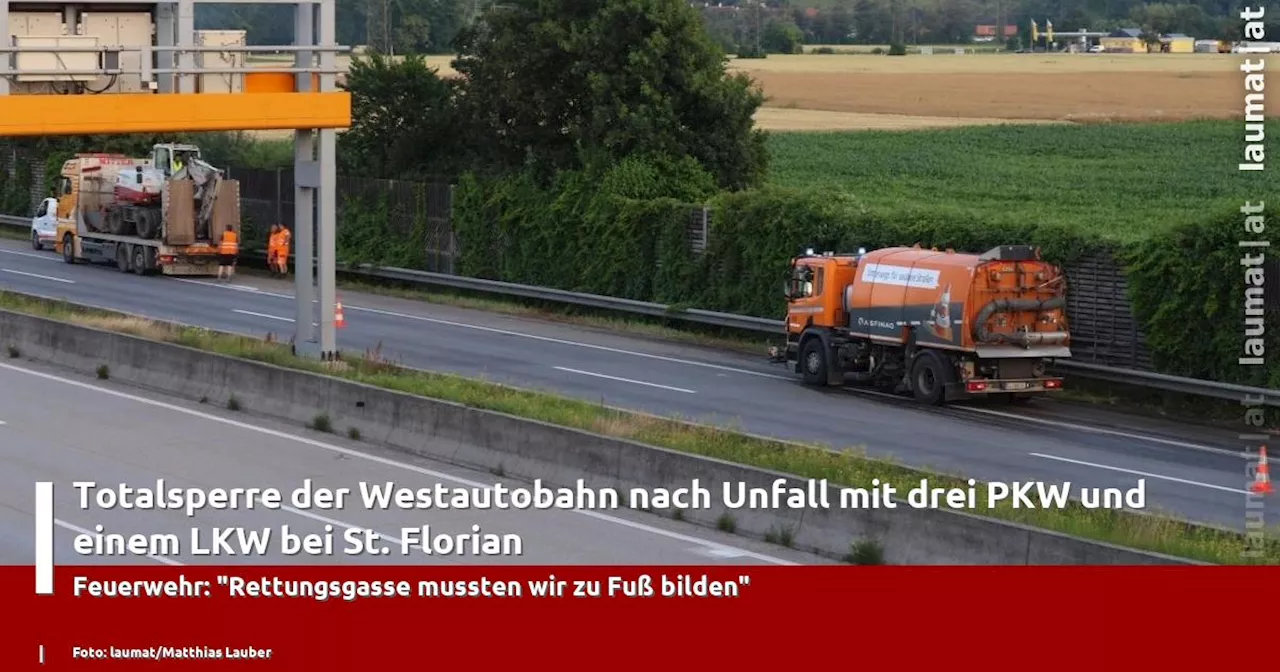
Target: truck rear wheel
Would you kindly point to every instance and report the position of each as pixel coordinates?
(69, 248)
(122, 258)
(929, 378)
(140, 265)
(813, 362)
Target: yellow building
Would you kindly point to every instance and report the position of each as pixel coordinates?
(1124, 41)
(1177, 43)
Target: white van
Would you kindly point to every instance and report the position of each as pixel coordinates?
(44, 226)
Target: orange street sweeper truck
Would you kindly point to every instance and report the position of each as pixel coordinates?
(940, 325)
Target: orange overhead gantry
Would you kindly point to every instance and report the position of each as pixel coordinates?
(122, 66)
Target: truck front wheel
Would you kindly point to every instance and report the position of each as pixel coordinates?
(929, 378)
(69, 248)
(813, 362)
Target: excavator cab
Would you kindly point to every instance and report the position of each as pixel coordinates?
(170, 158)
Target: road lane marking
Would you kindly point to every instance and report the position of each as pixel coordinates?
(704, 543)
(42, 257)
(269, 317)
(80, 530)
(625, 380)
(242, 288)
(1101, 430)
(37, 275)
(507, 332)
(1143, 473)
(263, 315)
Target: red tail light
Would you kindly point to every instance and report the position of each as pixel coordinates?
(1053, 384)
(976, 385)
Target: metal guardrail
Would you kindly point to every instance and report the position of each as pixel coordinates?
(760, 325)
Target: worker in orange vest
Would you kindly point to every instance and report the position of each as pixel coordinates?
(282, 240)
(273, 249)
(228, 250)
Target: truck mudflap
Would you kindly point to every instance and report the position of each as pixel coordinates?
(982, 386)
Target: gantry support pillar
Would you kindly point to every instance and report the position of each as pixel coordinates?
(327, 215)
(315, 197)
(306, 180)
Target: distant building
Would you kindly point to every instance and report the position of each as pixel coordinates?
(987, 33)
(1124, 41)
(1177, 43)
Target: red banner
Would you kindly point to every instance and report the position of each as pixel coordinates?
(359, 618)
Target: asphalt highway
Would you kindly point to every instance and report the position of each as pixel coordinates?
(1192, 472)
(60, 428)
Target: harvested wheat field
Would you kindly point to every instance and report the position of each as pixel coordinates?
(816, 92)
(795, 119)
(1009, 87)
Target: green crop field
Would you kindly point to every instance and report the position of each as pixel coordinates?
(1118, 180)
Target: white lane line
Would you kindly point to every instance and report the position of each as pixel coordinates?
(80, 530)
(269, 317)
(37, 275)
(1101, 430)
(625, 380)
(1143, 473)
(507, 332)
(3, 423)
(42, 257)
(242, 288)
(704, 543)
(262, 315)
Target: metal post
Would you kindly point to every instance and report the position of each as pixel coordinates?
(166, 27)
(305, 180)
(186, 39)
(327, 216)
(7, 63)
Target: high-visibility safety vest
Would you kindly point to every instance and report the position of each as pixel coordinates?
(228, 244)
(285, 238)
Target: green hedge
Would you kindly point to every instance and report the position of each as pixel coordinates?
(1187, 285)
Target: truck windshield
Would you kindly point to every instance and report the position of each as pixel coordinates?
(800, 282)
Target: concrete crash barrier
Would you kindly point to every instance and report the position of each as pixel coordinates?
(528, 449)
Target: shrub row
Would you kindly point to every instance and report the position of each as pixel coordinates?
(584, 233)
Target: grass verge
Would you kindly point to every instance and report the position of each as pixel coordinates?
(1141, 531)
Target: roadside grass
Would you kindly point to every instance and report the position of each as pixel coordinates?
(848, 467)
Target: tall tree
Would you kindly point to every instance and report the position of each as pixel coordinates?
(558, 84)
(404, 121)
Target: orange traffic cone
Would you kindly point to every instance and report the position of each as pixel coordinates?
(339, 321)
(1262, 477)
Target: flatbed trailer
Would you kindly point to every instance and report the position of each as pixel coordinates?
(139, 255)
(143, 215)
